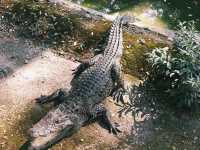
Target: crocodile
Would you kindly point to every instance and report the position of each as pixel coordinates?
(93, 81)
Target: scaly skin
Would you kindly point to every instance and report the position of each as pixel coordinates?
(93, 82)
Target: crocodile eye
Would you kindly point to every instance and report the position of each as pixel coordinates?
(57, 121)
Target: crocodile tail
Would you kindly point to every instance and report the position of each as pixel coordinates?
(120, 20)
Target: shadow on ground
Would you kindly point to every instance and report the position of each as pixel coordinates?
(156, 126)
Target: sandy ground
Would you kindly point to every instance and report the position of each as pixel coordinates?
(35, 71)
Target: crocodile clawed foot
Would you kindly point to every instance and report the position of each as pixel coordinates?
(41, 100)
(118, 95)
(108, 124)
(55, 97)
(77, 71)
(114, 129)
(111, 127)
(4, 72)
(104, 118)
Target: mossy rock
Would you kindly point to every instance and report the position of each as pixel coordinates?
(135, 49)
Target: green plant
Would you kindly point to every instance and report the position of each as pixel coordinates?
(176, 72)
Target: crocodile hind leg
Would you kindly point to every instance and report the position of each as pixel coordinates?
(119, 89)
(55, 96)
(102, 115)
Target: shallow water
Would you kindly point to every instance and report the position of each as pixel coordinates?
(144, 11)
(146, 15)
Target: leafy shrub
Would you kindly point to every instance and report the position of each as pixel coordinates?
(176, 71)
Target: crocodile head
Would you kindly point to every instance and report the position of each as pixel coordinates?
(49, 130)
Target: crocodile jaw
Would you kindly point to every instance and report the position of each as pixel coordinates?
(44, 142)
(50, 130)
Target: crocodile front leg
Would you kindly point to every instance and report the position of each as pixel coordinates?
(4, 72)
(117, 77)
(55, 96)
(85, 64)
(101, 114)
